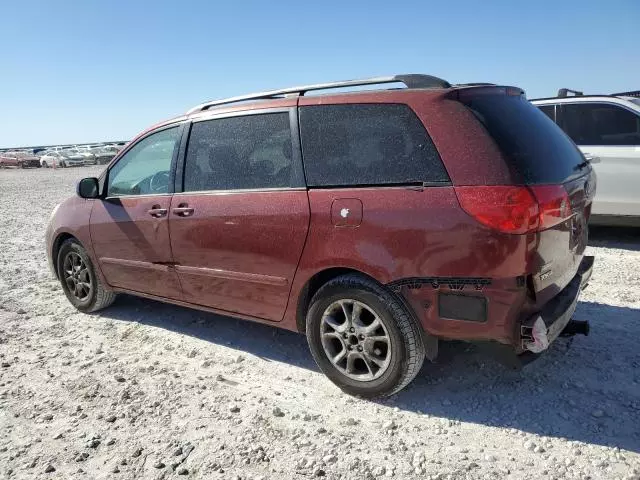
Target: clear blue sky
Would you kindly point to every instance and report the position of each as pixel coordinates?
(87, 71)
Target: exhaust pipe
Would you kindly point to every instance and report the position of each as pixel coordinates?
(575, 327)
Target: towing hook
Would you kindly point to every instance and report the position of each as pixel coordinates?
(575, 327)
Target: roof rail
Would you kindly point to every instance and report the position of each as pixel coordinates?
(633, 93)
(475, 84)
(564, 92)
(410, 80)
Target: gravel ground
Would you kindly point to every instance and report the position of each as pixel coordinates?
(147, 390)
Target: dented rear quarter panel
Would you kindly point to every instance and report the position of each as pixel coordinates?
(416, 233)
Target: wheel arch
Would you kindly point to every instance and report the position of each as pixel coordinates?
(55, 249)
(320, 278)
(313, 285)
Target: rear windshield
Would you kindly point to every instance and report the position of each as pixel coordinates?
(539, 150)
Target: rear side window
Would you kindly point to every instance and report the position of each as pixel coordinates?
(245, 152)
(601, 124)
(549, 111)
(536, 147)
(367, 144)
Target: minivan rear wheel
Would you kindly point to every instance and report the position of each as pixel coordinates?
(363, 338)
(79, 281)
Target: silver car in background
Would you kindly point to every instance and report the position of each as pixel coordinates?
(73, 158)
(606, 128)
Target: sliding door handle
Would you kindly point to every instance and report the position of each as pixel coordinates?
(183, 210)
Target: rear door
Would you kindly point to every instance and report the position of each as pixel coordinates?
(129, 227)
(609, 135)
(239, 225)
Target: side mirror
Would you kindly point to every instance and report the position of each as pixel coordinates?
(88, 188)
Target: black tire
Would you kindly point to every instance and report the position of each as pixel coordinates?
(406, 349)
(44, 164)
(97, 297)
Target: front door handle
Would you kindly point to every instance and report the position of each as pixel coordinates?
(183, 210)
(157, 212)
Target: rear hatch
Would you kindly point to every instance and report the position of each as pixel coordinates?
(551, 198)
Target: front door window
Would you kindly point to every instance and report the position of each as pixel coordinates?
(145, 169)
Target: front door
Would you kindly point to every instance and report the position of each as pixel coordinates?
(609, 136)
(239, 227)
(130, 226)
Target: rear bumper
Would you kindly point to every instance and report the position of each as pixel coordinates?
(539, 330)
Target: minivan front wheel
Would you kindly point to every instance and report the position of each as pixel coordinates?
(363, 338)
(79, 281)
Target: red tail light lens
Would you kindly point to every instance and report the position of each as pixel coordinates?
(516, 209)
(553, 203)
(506, 208)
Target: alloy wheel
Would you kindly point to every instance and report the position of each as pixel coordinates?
(355, 340)
(77, 277)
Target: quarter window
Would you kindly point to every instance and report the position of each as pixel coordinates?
(367, 144)
(145, 168)
(549, 111)
(600, 124)
(244, 152)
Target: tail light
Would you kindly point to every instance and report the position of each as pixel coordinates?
(553, 203)
(516, 209)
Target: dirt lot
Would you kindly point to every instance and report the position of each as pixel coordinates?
(147, 390)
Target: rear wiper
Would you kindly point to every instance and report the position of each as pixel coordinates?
(580, 166)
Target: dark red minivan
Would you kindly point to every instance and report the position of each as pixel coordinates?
(376, 222)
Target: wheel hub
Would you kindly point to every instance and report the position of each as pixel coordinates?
(355, 340)
(76, 276)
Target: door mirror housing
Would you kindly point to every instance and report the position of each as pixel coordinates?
(88, 188)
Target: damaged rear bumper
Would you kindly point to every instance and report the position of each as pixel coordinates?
(555, 319)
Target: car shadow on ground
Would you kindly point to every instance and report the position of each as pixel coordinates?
(585, 389)
(625, 238)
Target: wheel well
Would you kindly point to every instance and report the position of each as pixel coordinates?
(60, 239)
(312, 286)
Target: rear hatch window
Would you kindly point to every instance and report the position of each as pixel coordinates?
(536, 147)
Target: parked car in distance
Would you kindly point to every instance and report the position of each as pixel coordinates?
(102, 154)
(87, 154)
(52, 158)
(606, 128)
(375, 222)
(19, 159)
(73, 158)
(55, 149)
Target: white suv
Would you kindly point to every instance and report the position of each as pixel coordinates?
(607, 130)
